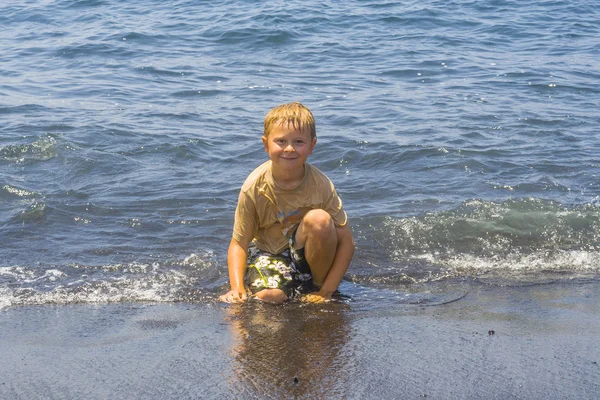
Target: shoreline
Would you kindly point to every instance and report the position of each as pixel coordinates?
(496, 342)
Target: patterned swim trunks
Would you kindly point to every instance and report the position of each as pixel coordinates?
(287, 271)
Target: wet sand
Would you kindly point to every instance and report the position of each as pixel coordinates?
(494, 343)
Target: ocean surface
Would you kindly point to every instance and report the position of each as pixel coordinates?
(462, 136)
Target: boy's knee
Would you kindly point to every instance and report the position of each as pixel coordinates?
(318, 221)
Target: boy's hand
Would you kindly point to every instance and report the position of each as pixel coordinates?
(234, 296)
(315, 297)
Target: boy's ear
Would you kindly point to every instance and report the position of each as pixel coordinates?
(312, 145)
(265, 143)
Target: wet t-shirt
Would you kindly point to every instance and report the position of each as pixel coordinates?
(268, 214)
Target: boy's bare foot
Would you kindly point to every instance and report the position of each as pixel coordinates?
(275, 296)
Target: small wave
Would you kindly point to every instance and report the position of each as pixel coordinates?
(193, 279)
(169, 73)
(489, 228)
(255, 36)
(90, 50)
(197, 93)
(139, 37)
(15, 191)
(516, 240)
(23, 109)
(574, 264)
(41, 149)
(86, 4)
(34, 213)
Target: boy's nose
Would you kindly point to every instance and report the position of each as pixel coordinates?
(289, 147)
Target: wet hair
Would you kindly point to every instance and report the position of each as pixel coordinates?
(292, 113)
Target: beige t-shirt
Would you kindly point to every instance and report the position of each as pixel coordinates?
(269, 214)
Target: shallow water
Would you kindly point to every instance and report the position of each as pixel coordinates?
(463, 139)
(499, 342)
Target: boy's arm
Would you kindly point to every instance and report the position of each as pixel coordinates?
(341, 262)
(236, 264)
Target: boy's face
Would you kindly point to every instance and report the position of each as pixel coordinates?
(288, 147)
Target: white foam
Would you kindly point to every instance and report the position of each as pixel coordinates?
(18, 192)
(114, 283)
(576, 262)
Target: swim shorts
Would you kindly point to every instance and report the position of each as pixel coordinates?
(287, 271)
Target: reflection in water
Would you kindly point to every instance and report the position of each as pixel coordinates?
(295, 350)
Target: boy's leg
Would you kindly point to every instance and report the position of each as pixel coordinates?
(317, 235)
(266, 275)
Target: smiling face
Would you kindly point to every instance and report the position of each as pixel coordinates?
(288, 148)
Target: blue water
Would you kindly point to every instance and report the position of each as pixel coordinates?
(462, 137)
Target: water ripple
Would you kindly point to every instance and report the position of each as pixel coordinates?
(127, 129)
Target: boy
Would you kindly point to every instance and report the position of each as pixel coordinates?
(290, 229)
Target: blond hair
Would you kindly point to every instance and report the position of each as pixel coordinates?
(294, 113)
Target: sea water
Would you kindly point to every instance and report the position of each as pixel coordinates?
(462, 137)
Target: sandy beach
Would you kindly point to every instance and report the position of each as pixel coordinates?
(495, 343)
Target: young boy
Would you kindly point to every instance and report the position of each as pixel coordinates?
(290, 229)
